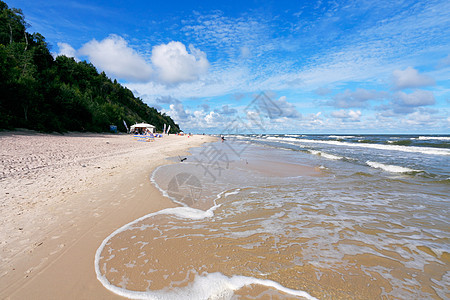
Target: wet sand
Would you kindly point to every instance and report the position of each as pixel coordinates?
(61, 196)
(282, 217)
(166, 255)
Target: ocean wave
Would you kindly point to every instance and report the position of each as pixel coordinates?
(389, 147)
(341, 136)
(291, 139)
(390, 168)
(367, 141)
(241, 137)
(426, 138)
(326, 155)
(400, 142)
(295, 135)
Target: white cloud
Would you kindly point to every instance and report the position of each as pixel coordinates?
(362, 59)
(421, 118)
(226, 110)
(175, 65)
(285, 108)
(254, 119)
(171, 63)
(347, 115)
(314, 119)
(233, 35)
(357, 98)
(273, 109)
(198, 119)
(367, 58)
(403, 103)
(416, 98)
(410, 78)
(178, 111)
(67, 50)
(214, 119)
(116, 58)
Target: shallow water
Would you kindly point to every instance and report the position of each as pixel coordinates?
(259, 220)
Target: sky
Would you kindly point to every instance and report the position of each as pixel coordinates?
(359, 66)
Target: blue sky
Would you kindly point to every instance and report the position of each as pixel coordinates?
(326, 66)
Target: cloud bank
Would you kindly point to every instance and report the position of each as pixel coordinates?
(347, 116)
(410, 78)
(416, 98)
(357, 98)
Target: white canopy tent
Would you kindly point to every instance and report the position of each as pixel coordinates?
(142, 127)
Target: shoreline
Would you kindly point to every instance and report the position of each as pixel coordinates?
(294, 218)
(300, 219)
(145, 245)
(99, 194)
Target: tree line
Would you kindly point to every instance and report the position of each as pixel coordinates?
(59, 94)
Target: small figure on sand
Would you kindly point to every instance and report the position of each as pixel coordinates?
(223, 138)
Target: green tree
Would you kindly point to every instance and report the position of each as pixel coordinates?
(47, 94)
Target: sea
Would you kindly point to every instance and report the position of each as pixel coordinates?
(292, 216)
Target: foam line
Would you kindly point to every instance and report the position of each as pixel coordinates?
(390, 168)
(442, 138)
(237, 191)
(211, 286)
(341, 136)
(163, 192)
(326, 155)
(182, 212)
(424, 150)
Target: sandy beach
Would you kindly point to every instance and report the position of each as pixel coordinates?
(84, 217)
(62, 195)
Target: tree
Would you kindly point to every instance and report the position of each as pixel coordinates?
(42, 93)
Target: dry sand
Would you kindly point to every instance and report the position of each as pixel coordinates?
(61, 195)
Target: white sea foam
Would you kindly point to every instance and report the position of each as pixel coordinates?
(240, 137)
(424, 150)
(390, 168)
(210, 286)
(341, 136)
(231, 193)
(153, 180)
(189, 212)
(295, 135)
(283, 138)
(163, 191)
(442, 138)
(326, 155)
